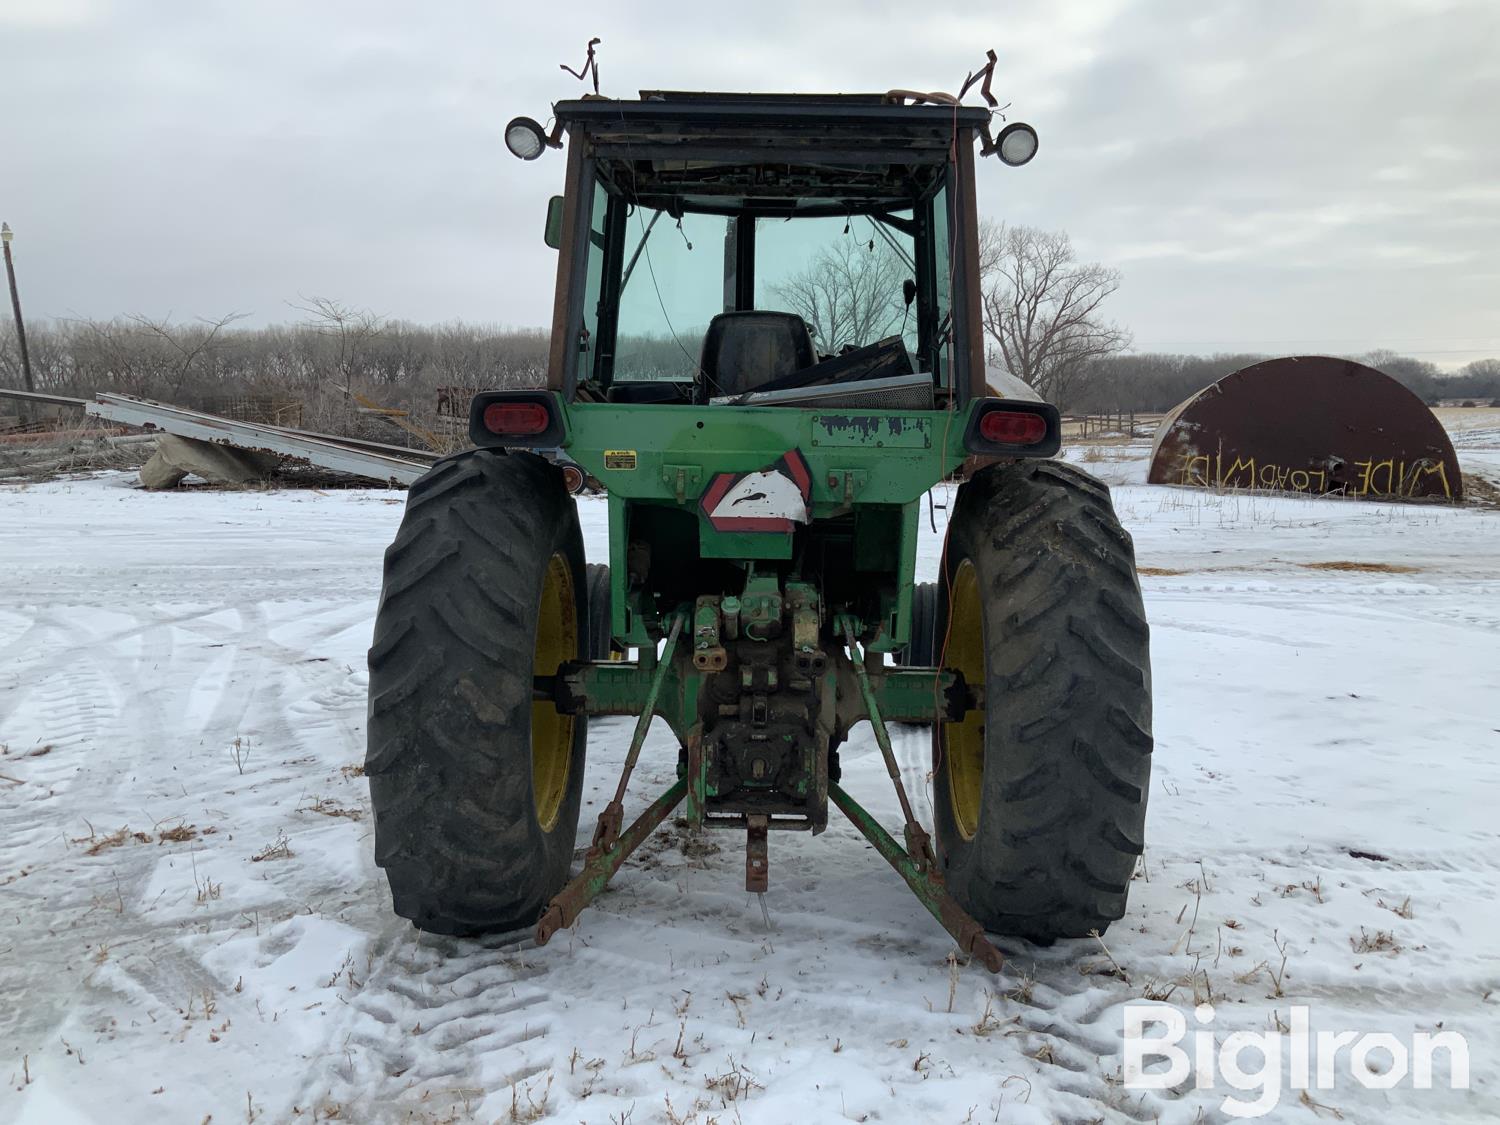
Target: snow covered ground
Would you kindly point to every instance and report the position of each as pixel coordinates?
(1476, 438)
(191, 924)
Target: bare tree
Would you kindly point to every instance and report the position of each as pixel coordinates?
(1042, 308)
(190, 348)
(851, 294)
(51, 363)
(351, 330)
(1481, 369)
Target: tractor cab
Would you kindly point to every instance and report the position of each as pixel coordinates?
(766, 339)
(720, 248)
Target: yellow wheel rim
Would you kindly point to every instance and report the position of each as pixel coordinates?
(551, 732)
(963, 742)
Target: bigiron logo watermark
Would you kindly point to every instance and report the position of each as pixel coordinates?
(1250, 1063)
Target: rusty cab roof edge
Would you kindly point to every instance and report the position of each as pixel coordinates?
(657, 108)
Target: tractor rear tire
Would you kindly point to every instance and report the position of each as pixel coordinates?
(600, 646)
(921, 650)
(1040, 797)
(476, 786)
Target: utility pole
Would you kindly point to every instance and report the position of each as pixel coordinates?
(6, 234)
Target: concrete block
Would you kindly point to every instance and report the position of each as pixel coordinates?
(158, 474)
(217, 464)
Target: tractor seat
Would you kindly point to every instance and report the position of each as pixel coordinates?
(652, 393)
(744, 350)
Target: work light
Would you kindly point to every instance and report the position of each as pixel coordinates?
(526, 140)
(1017, 144)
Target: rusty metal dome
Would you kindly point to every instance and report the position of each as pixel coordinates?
(1310, 424)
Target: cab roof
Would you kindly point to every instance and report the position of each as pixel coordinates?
(687, 117)
(770, 153)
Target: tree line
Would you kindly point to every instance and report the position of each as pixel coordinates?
(329, 351)
(1042, 310)
(1152, 382)
(1044, 321)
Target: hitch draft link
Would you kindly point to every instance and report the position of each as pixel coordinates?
(613, 816)
(916, 863)
(611, 846)
(918, 843)
(601, 864)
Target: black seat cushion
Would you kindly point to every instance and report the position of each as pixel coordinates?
(880, 360)
(655, 393)
(744, 350)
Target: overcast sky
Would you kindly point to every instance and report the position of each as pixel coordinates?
(1269, 175)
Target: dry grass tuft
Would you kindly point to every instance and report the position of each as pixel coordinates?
(179, 835)
(1159, 990)
(1401, 910)
(534, 1109)
(114, 839)
(1362, 567)
(1158, 572)
(734, 1084)
(1024, 990)
(990, 1022)
(1381, 941)
(1318, 1108)
(326, 806)
(279, 848)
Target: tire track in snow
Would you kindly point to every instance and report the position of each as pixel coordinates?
(436, 1026)
(66, 898)
(448, 1026)
(111, 703)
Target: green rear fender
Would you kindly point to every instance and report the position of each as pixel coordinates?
(671, 455)
(670, 452)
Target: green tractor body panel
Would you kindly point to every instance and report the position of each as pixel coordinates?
(869, 462)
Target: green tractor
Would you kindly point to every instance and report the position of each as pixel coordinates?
(766, 348)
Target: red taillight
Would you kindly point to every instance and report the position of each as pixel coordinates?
(516, 419)
(1012, 427)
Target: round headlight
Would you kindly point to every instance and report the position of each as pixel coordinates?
(1017, 144)
(525, 139)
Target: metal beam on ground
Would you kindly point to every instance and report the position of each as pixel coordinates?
(38, 396)
(355, 458)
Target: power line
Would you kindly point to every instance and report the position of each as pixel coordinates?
(1412, 352)
(1358, 340)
